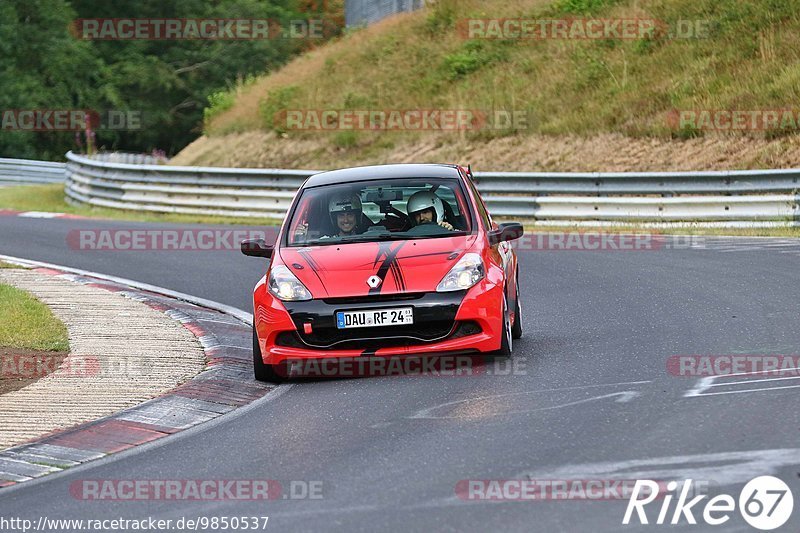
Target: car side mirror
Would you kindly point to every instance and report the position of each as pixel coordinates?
(508, 231)
(257, 248)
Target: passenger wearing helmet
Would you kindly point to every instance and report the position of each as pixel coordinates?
(424, 207)
(345, 210)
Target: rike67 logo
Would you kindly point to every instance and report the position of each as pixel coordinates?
(765, 503)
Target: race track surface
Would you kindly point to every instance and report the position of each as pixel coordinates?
(591, 398)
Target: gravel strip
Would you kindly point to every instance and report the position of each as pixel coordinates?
(122, 352)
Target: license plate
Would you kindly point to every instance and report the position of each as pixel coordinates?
(399, 316)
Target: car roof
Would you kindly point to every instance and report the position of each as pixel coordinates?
(406, 170)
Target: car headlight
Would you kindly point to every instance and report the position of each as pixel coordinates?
(285, 286)
(464, 274)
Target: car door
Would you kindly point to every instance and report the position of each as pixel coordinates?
(503, 251)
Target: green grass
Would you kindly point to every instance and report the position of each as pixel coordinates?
(29, 324)
(743, 54)
(8, 265)
(51, 199)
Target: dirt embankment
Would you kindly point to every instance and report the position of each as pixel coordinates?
(19, 367)
(601, 153)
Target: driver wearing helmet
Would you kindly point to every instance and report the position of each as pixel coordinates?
(345, 211)
(424, 207)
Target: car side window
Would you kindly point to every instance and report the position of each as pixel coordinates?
(452, 209)
(482, 212)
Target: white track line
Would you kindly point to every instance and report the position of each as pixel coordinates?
(247, 318)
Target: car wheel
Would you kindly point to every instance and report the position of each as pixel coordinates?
(516, 329)
(506, 341)
(262, 371)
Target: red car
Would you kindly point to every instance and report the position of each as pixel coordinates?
(390, 260)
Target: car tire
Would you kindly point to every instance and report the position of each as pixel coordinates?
(262, 371)
(516, 329)
(506, 339)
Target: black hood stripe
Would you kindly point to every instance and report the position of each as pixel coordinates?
(389, 256)
(397, 272)
(431, 254)
(386, 256)
(400, 258)
(305, 254)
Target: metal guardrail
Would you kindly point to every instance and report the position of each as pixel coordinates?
(718, 198)
(30, 172)
(189, 190)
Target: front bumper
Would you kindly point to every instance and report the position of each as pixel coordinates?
(457, 322)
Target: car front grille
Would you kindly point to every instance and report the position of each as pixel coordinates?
(434, 320)
(373, 298)
(376, 338)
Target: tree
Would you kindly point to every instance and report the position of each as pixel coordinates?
(44, 65)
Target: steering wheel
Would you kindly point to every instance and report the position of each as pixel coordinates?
(428, 229)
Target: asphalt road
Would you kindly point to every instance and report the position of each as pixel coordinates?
(591, 398)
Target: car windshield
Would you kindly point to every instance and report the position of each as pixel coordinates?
(413, 208)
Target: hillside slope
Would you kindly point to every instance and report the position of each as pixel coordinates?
(588, 104)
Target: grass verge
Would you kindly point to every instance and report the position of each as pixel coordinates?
(29, 324)
(51, 199)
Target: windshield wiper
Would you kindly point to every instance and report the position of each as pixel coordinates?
(398, 236)
(376, 237)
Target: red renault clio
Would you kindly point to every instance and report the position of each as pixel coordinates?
(385, 261)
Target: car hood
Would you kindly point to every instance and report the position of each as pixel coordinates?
(406, 266)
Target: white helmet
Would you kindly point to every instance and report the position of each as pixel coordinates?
(344, 203)
(422, 200)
